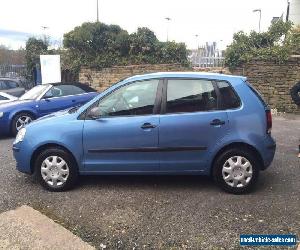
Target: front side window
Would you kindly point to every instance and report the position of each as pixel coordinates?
(134, 99)
(190, 95)
(63, 90)
(229, 99)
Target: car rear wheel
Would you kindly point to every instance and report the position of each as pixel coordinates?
(19, 121)
(56, 169)
(236, 170)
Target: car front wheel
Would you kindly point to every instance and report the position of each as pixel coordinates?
(56, 169)
(236, 170)
(19, 121)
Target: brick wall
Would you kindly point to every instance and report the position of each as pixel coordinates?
(104, 78)
(274, 81)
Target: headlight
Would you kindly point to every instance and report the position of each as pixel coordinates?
(20, 136)
(1, 114)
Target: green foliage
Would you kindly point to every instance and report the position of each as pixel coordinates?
(293, 40)
(269, 45)
(100, 45)
(34, 48)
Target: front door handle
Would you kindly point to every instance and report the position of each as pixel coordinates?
(73, 100)
(148, 125)
(217, 122)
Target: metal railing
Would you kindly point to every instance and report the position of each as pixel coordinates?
(13, 71)
(16, 72)
(208, 62)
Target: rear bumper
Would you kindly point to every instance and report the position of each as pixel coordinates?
(269, 152)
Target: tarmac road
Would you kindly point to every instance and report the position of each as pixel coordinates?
(175, 212)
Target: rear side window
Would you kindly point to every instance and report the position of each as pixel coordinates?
(258, 95)
(229, 99)
(190, 95)
(3, 85)
(12, 84)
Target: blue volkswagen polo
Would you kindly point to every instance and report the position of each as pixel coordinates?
(161, 123)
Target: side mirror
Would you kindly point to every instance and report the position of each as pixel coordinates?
(94, 113)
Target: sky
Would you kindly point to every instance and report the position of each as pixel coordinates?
(211, 20)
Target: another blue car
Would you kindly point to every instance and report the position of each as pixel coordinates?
(40, 101)
(162, 123)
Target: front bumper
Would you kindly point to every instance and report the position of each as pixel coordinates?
(4, 126)
(22, 157)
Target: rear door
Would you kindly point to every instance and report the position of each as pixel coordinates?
(190, 124)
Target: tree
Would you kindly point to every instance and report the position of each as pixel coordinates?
(34, 48)
(101, 45)
(96, 44)
(264, 45)
(293, 40)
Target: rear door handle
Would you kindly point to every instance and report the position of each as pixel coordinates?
(148, 125)
(73, 100)
(217, 122)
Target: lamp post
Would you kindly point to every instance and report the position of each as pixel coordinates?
(168, 21)
(97, 11)
(258, 10)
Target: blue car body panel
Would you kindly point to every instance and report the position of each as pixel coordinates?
(118, 145)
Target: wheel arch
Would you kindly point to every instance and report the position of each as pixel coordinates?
(238, 145)
(41, 148)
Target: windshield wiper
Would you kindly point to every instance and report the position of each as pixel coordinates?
(74, 109)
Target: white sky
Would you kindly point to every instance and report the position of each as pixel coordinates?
(212, 20)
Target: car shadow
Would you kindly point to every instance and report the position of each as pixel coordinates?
(147, 182)
(6, 137)
(163, 182)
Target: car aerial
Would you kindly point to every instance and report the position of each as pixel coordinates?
(40, 101)
(4, 97)
(11, 86)
(160, 123)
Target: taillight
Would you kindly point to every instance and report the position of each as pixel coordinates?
(269, 121)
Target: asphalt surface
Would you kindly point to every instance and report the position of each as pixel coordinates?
(136, 212)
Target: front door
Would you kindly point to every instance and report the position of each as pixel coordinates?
(190, 125)
(125, 136)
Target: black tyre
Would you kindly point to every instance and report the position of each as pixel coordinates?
(20, 120)
(295, 93)
(56, 169)
(236, 170)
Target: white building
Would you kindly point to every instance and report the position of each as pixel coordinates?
(294, 13)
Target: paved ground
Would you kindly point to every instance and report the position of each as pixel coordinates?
(26, 228)
(167, 212)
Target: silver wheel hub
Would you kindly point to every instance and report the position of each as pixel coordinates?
(22, 121)
(237, 171)
(55, 171)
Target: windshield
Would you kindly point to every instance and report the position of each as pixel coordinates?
(34, 92)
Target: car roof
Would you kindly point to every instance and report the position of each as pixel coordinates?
(207, 75)
(10, 79)
(83, 86)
